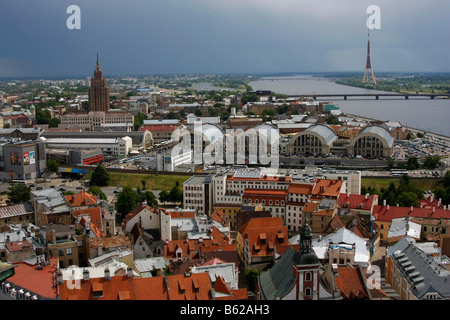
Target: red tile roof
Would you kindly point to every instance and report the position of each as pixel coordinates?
(191, 248)
(116, 288)
(110, 242)
(327, 188)
(94, 213)
(350, 283)
(153, 288)
(356, 201)
(387, 213)
(15, 246)
(263, 234)
(300, 188)
(82, 199)
(221, 286)
(192, 287)
(157, 128)
(37, 281)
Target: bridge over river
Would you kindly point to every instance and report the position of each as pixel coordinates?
(374, 95)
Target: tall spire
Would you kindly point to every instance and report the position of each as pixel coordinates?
(99, 91)
(368, 69)
(98, 63)
(305, 236)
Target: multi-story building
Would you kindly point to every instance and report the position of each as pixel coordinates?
(229, 186)
(384, 214)
(62, 242)
(416, 274)
(99, 91)
(97, 119)
(197, 194)
(50, 206)
(109, 146)
(16, 214)
(258, 239)
(272, 200)
(25, 159)
(301, 193)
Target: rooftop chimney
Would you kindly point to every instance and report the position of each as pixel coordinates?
(59, 277)
(107, 274)
(384, 202)
(86, 275)
(129, 272)
(387, 208)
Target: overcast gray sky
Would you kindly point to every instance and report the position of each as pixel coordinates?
(226, 36)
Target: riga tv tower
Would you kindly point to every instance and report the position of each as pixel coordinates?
(369, 69)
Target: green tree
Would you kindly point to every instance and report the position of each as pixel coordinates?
(407, 199)
(127, 199)
(447, 179)
(19, 193)
(176, 195)
(144, 182)
(148, 197)
(97, 191)
(390, 163)
(171, 115)
(139, 120)
(443, 194)
(52, 165)
(332, 119)
(198, 112)
(251, 277)
(164, 196)
(431, 162)
(412, 163)
(100, 177)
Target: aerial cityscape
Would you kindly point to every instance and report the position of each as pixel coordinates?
(243, 152)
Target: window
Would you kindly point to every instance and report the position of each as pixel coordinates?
(69, 251)
(308, 276)
(308, 292)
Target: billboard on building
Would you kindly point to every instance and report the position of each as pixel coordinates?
(26, 158)
(32, 157)
(15, 158)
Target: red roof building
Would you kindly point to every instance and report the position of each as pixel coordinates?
(258, 240)
(83, 199)
(385, 214)
(34, 281)
(356, 202)
(351, 283)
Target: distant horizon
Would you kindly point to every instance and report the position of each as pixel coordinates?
(280, 73)
(43, 39)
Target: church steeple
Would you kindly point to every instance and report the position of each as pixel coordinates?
(305, 237)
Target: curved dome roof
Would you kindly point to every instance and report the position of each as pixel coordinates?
(269, 132)
(379, 131)
(324, 131)
(212, 132)
(306, 258)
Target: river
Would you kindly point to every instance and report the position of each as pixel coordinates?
(419, 113)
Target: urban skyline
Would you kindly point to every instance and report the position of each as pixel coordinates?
(174, 37)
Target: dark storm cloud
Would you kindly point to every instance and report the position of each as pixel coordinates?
(198, 36)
